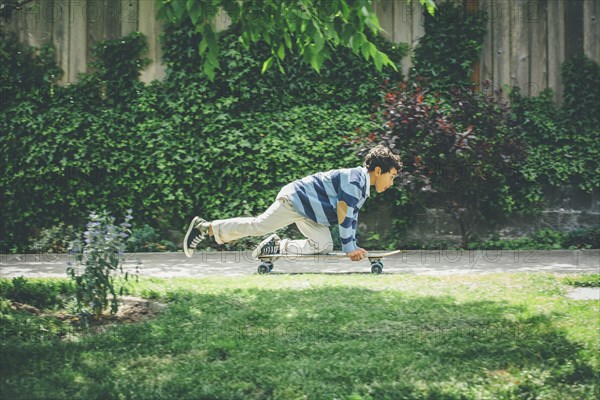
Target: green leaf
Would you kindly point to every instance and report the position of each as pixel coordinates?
(366, 50)
(288, 40)
(430, 4)
(209, 69)
(281, 52)
(266, 65)
(378, 60)
(356, 42)
(161, 10)
(195, 12)
(316, 61)
(178, 8)
(386, 60)
(203, 46)
(190, 5)
(319, 41)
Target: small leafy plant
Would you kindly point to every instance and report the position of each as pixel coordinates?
(101, 256)
(592, 280)
(147, 239)
(55, 239)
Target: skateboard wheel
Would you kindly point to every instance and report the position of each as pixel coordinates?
(264, 268)
(377, 267)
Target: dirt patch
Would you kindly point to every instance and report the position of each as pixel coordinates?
(135, 309)
(131, 310)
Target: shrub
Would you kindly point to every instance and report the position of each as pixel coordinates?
(146, 239)
(54, 240)
(452, 42)
(100, 256)
(25, 72)
(563, 143)
(545, 239)
(583, 238)
(461, 151)
(592, 280)
(42, 295)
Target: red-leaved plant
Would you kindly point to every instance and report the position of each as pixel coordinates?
(461, 151)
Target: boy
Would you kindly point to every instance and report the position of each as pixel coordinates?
(314, 203)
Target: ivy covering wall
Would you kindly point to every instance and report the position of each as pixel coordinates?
(171, 149)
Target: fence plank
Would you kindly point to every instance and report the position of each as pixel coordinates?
(37, 26)
(520, 59)
(60, 36)
(97, 17)
(556, 46)
(501, 31)
(538, 33)
(418, 21)
(591, 29)
(149, 26)
(77, 56)
(129, 16)
(403, 31)
(222, 20)
(386, 17)
(486, 71)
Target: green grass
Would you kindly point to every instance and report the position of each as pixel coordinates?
(590, 280)
(328, 336)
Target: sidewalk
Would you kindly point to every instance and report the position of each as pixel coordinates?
(438, 262)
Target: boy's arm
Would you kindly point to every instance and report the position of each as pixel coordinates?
(349, 196)
(347, 224)
(354, 252)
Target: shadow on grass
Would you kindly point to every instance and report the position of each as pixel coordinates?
(323, 343)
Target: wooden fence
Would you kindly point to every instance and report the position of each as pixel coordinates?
(525, 45)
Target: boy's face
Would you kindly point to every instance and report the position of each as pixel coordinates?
(383, 181)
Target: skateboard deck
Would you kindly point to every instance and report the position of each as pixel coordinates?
(374, 258)
(370, 255)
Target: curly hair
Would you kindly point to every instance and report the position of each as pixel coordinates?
(382, 157)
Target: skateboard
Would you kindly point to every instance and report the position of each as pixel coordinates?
(374, 257)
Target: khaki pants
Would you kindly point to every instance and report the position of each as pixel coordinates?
(280, 214)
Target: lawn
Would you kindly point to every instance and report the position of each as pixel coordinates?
(318, 336)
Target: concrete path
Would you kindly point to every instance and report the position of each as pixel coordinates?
(440, 262)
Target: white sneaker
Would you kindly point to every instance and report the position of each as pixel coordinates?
(269, 246)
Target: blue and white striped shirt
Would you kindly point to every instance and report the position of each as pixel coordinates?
(316, 197)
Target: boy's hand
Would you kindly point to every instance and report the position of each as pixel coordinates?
(357, 254)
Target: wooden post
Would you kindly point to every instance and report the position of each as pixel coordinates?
(471, 7)
(37, 23)
(537, 17)
(573, 28)
(520, 57)
(60, 36)
(487, 56)
(591, 29)
(501, 24)
(103, 22)
(129, 16)
(149, 26)
(222, 20)
(77, 55)
(386, 17)
(403, 30)
(556, 47)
